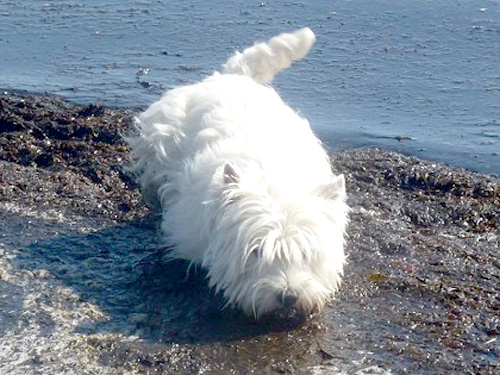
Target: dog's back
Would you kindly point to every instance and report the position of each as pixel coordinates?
(192, 118)
(263, 60)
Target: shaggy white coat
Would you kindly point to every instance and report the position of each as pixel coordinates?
(245, 188)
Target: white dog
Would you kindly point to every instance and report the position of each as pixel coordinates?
(245, 188)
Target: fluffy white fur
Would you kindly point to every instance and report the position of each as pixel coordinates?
(245, 187)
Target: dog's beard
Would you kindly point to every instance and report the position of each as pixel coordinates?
(261, 287)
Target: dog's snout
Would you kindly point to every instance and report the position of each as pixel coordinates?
(288, 298)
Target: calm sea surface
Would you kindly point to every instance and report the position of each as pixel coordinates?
(422, 77)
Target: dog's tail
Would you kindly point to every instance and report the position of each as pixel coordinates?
(263, 60)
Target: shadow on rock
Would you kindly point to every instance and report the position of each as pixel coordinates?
(122, 270)
(178, 306)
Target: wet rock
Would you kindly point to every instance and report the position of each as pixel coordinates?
(420, 292)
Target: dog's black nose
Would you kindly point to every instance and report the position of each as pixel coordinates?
(288, 298)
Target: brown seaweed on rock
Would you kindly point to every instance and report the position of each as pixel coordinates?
(66, 156)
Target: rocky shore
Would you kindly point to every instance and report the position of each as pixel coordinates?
(83, 288)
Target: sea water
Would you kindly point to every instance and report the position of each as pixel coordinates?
(421, 77)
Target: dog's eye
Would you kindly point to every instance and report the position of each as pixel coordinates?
(253, 256)
(256, 252)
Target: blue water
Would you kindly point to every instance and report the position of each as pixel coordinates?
(422, 77)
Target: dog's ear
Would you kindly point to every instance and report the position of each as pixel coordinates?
(230, 175)
(334, 189)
